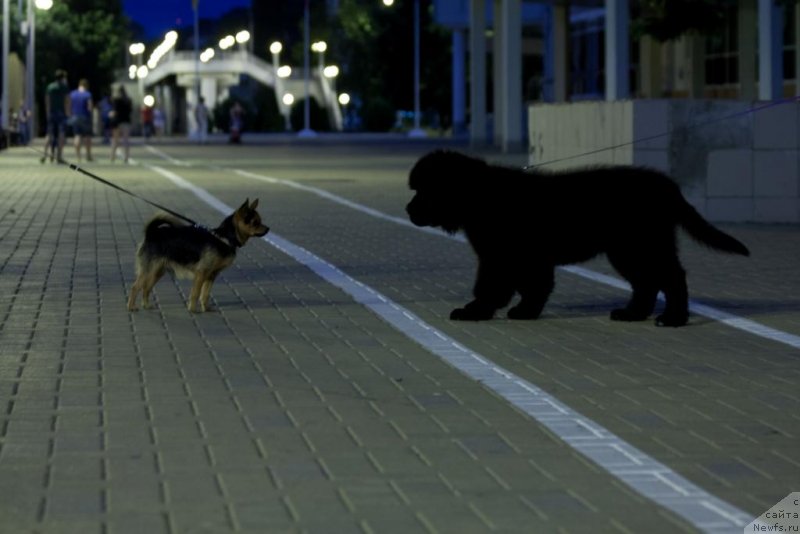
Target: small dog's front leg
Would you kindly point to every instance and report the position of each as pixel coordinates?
(199, 279)
(205, 293)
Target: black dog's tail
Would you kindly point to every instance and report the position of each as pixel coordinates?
(160, 221)
(706, 233)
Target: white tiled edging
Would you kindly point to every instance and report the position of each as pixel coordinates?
(745, 168)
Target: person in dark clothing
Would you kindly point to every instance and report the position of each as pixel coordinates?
(56, 106)
(121, 123)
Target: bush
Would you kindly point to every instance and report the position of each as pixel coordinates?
(318, 116)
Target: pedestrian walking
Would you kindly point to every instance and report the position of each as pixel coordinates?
(201, 117)
(106, 107)
(159, 121)
(56, 103)
(81, 118)
(146, 113)
(121, 123)
(24, 123)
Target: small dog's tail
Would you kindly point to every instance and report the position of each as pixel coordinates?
(159, 221)
(706, 233)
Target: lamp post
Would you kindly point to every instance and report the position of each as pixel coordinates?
(275, 48)
(306, 131)
(417, 131)
(196, 8)
(4, 103)
(320, 47)
(137, 50)
(242, 37)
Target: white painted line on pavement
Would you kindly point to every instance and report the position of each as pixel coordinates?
(646, 475)
(697, 308)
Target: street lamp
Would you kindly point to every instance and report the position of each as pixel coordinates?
(275, 48)
(344, 100)
(242, 37)
(320, 47)
(284, 71)
(30, 96)
(227, 42)
(288, 100)
(307, 131)
(417, 131)
(29, 59)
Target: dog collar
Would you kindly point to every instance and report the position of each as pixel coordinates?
(225, 240)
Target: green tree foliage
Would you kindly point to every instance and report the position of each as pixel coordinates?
(665, 20)
(375, 45)
(317, 116)
(87, 38)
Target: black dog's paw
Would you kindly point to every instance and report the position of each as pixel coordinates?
(624, 314)
(673, 320)
(524, 313)
(468, 313)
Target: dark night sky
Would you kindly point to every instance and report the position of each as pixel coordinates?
(160, 16)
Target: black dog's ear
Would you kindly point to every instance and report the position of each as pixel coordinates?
(254, 205)
(244, 206)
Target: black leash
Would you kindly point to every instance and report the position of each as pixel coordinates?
(93, 176)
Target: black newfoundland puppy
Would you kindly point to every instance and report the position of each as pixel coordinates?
(522, 224)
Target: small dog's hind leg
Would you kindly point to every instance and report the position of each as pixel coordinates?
(148, 284)
(135, 288)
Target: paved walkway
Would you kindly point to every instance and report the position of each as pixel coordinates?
(295, 408)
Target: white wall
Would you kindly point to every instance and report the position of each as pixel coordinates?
(742, 168)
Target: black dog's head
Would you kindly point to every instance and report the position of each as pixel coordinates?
(443, 182)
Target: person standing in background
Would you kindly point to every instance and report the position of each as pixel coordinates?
(201, 116)
(56, 104)
(105, 117)
(147, 121)
(24, 123)
(81, 118)
(159, 121)
(121, 123)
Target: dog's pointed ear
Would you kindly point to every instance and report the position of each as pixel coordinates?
(245, 205)
(254, 205)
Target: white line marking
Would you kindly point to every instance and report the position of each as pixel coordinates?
(682, 497)
(695, 307)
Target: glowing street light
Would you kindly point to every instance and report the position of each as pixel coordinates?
(149, 100)
(388, 3)
(44, 4)
(275, 48)
(331, 71)
(142, 72)
(243, 36)
(132, 72)
(227, 42)
(288, 99)
(344, 99)
(284, 71)
(206, 55)
(320, 47)
(136, 49)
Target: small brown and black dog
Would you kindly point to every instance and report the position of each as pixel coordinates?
(192, 252)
